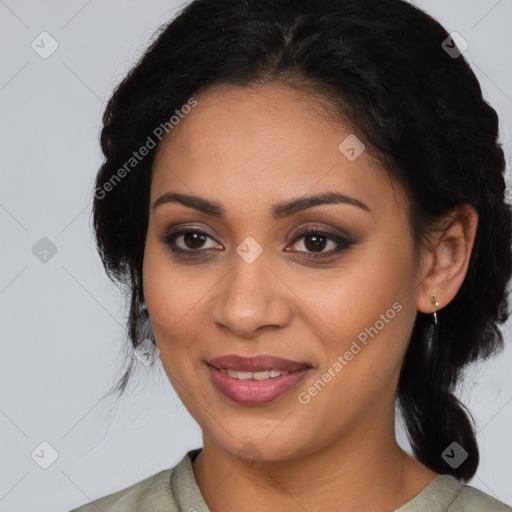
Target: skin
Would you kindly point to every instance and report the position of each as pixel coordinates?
(247, 149)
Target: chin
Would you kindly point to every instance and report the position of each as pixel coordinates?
(261, 448)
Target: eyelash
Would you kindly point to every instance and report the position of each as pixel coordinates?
(343, 243)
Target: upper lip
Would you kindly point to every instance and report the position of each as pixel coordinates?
(255, 363)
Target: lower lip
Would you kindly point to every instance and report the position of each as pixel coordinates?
(256, 392)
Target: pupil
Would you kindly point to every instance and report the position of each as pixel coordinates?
(314, 242)
(194, 240)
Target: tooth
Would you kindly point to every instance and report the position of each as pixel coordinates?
(263, 375)
(244, 375)
(260, 375)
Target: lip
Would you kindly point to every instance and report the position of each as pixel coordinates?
(256, 363)
(256, 392)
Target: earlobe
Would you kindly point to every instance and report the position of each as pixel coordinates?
(449, 259)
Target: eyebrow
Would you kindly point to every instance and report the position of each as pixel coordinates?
(279, 210)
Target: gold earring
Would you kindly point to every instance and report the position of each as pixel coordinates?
(435, 303)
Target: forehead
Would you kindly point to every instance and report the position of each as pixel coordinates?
(265, 141)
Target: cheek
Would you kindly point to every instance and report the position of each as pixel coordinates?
(367, 310)
(170, 294)
(353, 297)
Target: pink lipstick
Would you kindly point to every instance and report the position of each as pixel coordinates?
(256, 380)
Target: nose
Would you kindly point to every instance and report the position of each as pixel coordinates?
(252, 298)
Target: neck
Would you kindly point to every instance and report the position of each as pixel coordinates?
(364, 472)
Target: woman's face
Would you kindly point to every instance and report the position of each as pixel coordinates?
(247, 281)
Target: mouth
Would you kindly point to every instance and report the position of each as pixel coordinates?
(256, 364)
(256, 380)
(260, 375)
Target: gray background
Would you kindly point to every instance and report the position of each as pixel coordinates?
(63, 321)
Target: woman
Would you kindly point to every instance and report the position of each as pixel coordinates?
(306, 202)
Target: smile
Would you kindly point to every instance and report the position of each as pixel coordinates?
(255, 388)
(261, 375)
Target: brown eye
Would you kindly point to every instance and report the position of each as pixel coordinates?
(315, 243)
(191, 242)
(194, 240)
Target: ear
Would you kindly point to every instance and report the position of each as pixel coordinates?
(446, 263)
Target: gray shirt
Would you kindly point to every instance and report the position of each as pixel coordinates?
(175, 490)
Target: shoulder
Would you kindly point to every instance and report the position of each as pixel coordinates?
(472, 500)
(148, 494)
(447, 494)
(161, 492)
